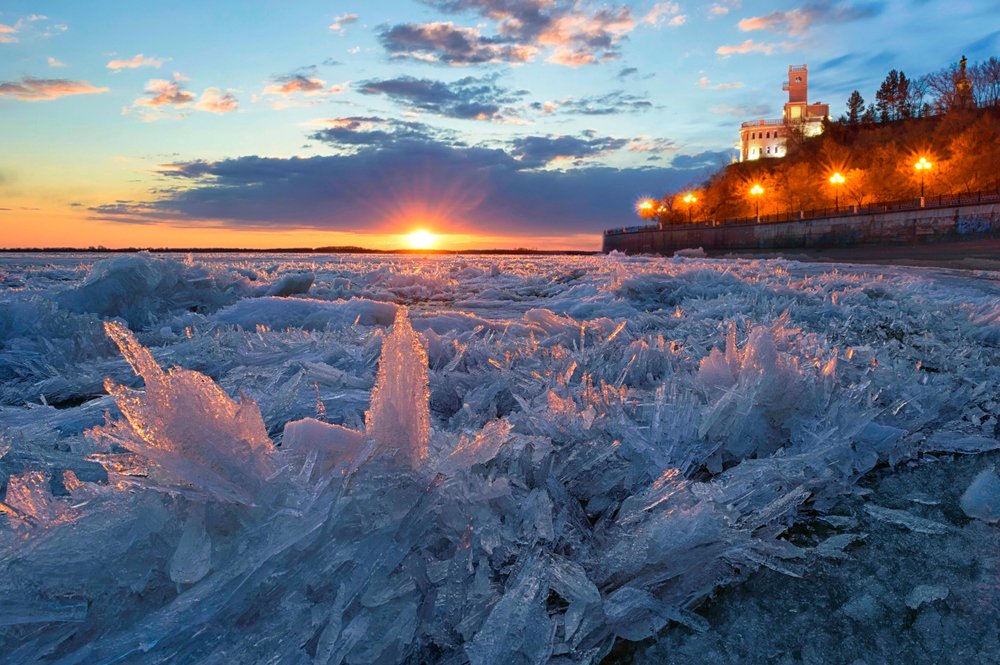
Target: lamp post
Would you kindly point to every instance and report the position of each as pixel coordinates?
(836, 180)
(922, 166)
(755, 192)
(690, 200)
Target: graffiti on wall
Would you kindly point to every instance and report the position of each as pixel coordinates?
(974, 224)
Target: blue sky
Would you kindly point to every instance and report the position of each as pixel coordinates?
(527, 122)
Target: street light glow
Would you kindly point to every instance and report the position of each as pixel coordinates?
(756, 191)
(922, 166)
(835, 180)
(646, 208)
(690, 199)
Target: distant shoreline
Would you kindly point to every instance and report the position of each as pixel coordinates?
(294, 250)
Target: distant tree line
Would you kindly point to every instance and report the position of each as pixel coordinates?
(900, 98)
(954, 125)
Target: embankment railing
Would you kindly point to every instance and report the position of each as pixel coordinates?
(930, 202)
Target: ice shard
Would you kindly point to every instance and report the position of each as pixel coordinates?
(188, 427)
(398, 421)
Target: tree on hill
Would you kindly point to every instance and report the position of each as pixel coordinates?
(900, 97)
(855, 109)
(869, 118)
(877, 162)
(970, 167)
(893, 97)
(985, 80)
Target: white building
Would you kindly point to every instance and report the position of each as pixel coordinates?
(766, 138)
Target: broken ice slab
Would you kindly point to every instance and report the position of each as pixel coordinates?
(833, 547)
(982, 499)
(955, 442)
(517, 629)
(291, 284)
(14, 612)
(333, 444)
(193, 557)
(925, 593)
(906, 520)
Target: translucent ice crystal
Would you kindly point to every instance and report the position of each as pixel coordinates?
(398, 421)
(192, 432)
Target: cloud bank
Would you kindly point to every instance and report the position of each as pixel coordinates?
(395, 174)
(30, 89)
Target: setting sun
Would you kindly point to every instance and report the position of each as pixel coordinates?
(421, 239)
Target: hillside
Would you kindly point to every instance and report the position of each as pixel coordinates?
(877, 163)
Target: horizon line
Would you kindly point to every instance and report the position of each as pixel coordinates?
(338, 249)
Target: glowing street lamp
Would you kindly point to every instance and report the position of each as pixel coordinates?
(755, 192)
(836, 180)
(645, 207)
(690, 200)
(922, 166)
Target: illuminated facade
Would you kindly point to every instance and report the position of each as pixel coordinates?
(766, 138)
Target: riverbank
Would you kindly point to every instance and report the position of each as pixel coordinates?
(981, 254)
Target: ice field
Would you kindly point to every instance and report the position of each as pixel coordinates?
(496, 460)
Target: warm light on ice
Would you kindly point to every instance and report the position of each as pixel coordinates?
(487, 459)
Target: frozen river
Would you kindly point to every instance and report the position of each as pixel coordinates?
(370, 459)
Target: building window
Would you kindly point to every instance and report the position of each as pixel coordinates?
(769, 135)
(769, 150)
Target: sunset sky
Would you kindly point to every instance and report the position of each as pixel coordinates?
(492, 123)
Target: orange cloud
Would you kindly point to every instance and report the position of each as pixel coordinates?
(285, 88)
(340, 23)
(582, 39)
(293, 84)
(24, 24)
(162, 92)
(706, 84)
(722, 8)
(167, 99)
(749, 46)
(39, 90)
(798, 21)
(214, 100)
(657, 16)
(137, 61)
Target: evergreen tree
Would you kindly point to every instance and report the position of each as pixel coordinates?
(902, 98)
(869, 116)
(887, 97)
(855, 108)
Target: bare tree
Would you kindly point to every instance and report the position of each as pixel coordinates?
(941, 86)
(985, 79)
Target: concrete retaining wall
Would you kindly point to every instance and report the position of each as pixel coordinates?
(889, 228)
